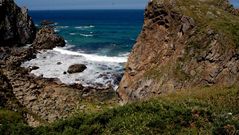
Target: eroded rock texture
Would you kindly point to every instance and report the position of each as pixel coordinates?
(182, 45)
(16, 26)
(46, 38)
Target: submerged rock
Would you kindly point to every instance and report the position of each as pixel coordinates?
(46, 38)
(76, 68)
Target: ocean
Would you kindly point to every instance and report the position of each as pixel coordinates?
(100, 39)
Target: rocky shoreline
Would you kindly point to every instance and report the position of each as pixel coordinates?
(47, 99)
(38, 99)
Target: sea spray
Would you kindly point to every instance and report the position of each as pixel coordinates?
(92, 57)
(101, 72)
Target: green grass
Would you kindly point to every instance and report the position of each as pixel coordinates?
(210, 14)
(197, 111)
(12, 123)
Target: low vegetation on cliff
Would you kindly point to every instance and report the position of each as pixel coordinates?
(199, 111)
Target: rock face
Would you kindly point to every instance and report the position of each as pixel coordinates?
(182, 45)
(5, 91)
(13, 57)
(8, 99)
(76, 68)
(44, 100)
(16, 27)
(46, 38)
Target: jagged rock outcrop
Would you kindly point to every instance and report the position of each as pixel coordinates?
(16, 26)
(46, 38)
(183, 44)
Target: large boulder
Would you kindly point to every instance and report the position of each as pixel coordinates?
(16, 26)
(76, 68)
(46, 38)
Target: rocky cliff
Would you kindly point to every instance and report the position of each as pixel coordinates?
(16, 26)
(183, 44)
(47, 38)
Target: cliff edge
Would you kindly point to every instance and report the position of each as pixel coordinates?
(16, 26)
(183, 44)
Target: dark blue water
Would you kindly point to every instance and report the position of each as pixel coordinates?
(101, 32)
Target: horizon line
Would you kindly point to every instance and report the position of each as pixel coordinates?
(84, 9)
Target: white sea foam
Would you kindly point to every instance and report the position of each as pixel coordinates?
(62, 27)
(85, 27)
(72, 34)
(124, 54)
(102, 70)
(86, 35)
(56, 30)
(93, 57)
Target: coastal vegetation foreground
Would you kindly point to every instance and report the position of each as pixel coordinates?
(196, 111)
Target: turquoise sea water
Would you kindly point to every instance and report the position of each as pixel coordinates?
(102, 32)
(100, 39)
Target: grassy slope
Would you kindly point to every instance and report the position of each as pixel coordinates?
(209, 14)
(205, 111)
